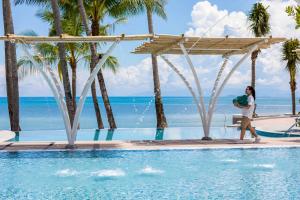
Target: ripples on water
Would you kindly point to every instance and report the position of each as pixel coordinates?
(177, 174)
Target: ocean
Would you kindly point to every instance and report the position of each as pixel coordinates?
(41, 113)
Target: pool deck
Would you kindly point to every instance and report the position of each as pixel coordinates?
(153, 145)
(265, 123)
(274, 124)
(6, 135)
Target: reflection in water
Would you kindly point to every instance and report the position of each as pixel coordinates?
(110, 134)
(96, 136)
(159, 134)
(17, 136)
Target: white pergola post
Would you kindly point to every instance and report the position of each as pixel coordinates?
(197, 82)
(213, 93)
(218, 91)
(176, 70)
(56, 88)
(86, 89)
(206, 117)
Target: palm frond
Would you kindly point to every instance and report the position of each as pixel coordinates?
(108, 29)
(259, 20)
(111, 63)
(31, 2)
(26, 67)
(289, 55)
(157, 7)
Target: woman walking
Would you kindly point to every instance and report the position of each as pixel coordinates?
(247, 113)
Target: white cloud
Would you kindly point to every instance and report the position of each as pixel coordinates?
(275, 80)
(137, 79)
(208, 20)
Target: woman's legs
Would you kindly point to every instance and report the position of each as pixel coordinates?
(252, 130)
(243, 131)
(246, 123)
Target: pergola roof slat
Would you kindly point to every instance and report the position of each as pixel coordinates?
(158, 44)
(169, 44)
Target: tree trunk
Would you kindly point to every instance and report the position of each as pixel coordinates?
(11, 69)
(96, 106)
(63, 63)
(93, 63)
(74, 77)
(109, 113)
(160, 115)
(293, 89)
(253, 67)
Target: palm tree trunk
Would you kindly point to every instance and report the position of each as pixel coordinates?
(253, 67)
(96, 106)
(109, 113)
(74, 77)
(160, 115)
(12, 85)
(293, 93)
(63, 63)
(73, 64)
(253, 74)
(93, 63)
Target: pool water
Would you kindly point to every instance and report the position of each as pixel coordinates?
(166, 174)
(175, 133)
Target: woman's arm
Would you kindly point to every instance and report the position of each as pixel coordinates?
(239, 106)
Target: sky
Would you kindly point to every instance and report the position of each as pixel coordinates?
(191, 17)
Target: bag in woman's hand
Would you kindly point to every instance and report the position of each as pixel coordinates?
(241, 100)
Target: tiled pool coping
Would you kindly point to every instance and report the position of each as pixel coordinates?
(153, 145)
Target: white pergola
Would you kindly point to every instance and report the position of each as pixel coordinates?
(225, 46)
(159, 45)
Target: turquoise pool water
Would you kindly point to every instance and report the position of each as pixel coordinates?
(177, 133)
(173, 174)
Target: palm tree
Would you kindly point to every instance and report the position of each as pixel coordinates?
(71, 25)
(74, 51)
(292, 59)
(96, 11)
(68, 7)
(260, 26)
(62, 62)
(12, 85)
(158, 8)
(294, 11)
(152, 7)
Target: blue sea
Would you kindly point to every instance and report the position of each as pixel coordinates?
(41, 113)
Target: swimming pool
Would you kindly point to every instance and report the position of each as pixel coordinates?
(166, 174)
(175, 133)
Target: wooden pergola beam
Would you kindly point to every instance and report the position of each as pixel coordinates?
(163, 44)
(64, 38)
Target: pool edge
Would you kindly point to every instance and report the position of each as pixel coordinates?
(152, 144)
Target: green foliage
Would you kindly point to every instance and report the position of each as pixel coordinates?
(259, 20)
(294, 11)
(140, 6)
(44, 54)
(292, 58)
(71, 24)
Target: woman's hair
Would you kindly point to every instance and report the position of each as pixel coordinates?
(252, 91)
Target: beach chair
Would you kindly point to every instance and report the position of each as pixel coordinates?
(296, 124)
